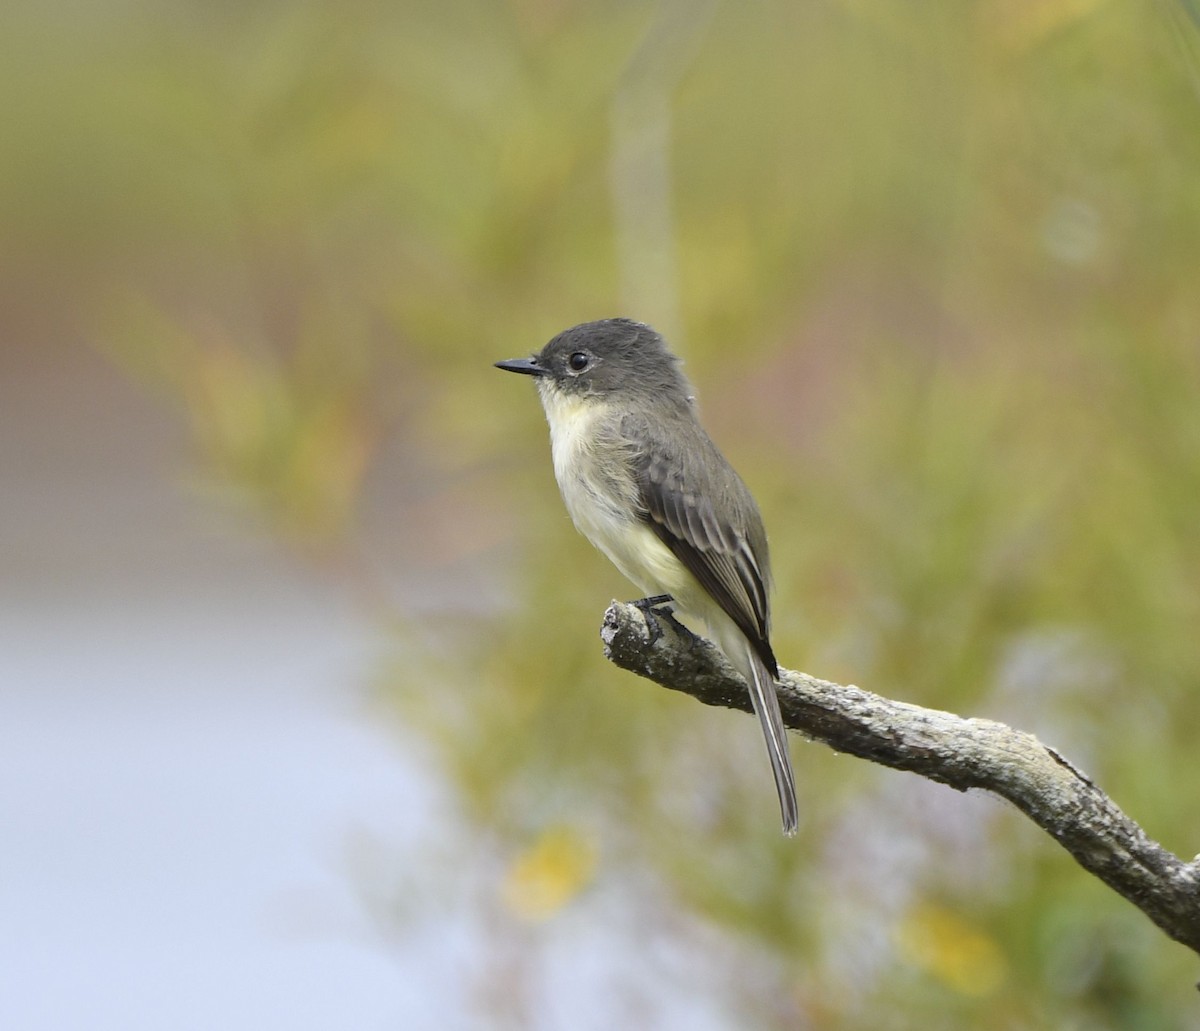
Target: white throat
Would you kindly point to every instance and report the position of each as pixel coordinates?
(593, 466)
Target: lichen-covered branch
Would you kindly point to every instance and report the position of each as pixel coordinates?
(963, 753)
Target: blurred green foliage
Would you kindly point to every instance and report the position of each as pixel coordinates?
(935, 270)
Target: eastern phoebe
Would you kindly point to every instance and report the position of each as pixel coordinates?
(648, 487)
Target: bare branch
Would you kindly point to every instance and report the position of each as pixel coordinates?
(963, 753)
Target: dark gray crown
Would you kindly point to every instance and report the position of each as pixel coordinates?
(613, 355)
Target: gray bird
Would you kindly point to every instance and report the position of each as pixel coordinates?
(646, 485)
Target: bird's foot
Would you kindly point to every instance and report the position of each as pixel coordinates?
(658, 607)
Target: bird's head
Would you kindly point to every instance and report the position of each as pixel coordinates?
(603, 360)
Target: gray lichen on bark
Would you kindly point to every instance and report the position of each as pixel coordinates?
(961, 752)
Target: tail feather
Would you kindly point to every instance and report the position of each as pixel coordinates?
(766, 708)
(761, 682)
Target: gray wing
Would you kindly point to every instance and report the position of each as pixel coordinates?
(700, 508)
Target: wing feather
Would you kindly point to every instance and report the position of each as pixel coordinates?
(703, 512)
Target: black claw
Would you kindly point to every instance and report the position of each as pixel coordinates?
(646, 607)
(658, 607)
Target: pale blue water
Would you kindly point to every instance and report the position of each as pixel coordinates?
(182, 755)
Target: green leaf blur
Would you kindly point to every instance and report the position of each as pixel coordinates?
(935, 269)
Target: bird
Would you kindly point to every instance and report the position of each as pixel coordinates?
(645, 484)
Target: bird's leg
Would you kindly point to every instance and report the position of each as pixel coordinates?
(656, 607)
(653, 601)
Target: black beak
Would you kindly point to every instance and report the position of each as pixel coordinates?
(525, 366)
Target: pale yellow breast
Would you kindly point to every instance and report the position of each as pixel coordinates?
(592, 468)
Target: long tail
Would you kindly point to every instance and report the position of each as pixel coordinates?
(766, 708)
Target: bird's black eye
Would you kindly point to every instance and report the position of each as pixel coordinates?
(579, 361)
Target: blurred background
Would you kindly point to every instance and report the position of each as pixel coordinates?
(304, 720)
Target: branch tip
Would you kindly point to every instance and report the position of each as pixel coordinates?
(941, 746)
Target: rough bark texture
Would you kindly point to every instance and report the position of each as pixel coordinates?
(963, 753)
